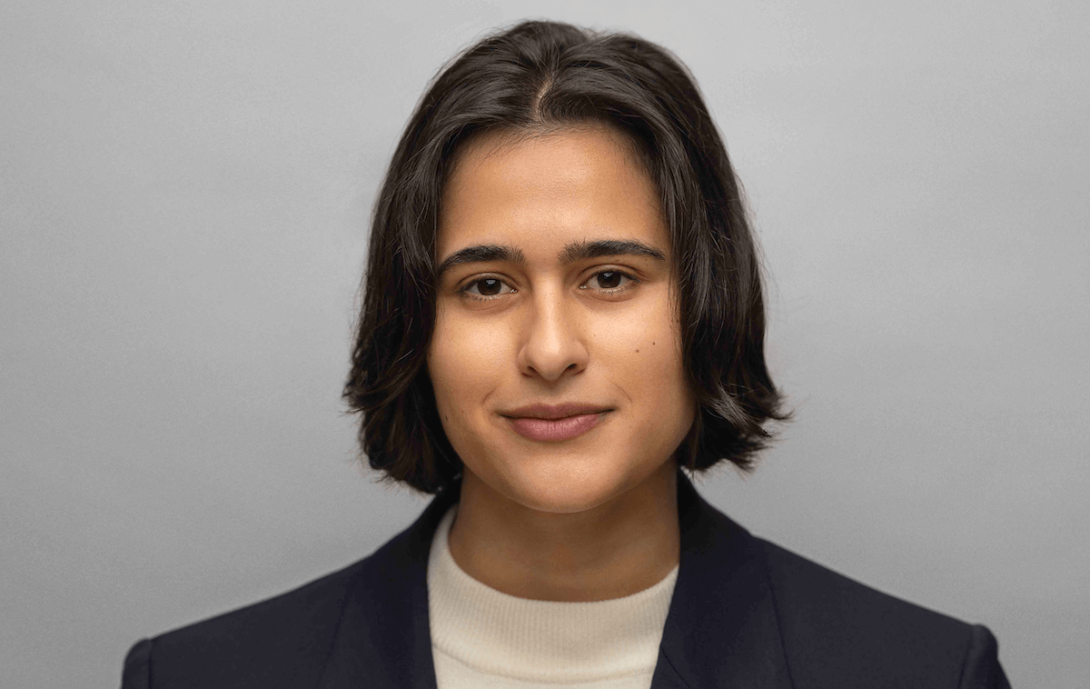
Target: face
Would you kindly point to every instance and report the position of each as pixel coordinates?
(536, 315)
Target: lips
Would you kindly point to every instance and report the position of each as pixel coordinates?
(555, 411)
(555, 422)
(552, 430)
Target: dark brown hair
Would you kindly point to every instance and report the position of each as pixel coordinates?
(538, 76)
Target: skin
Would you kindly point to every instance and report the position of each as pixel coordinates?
(594, 517)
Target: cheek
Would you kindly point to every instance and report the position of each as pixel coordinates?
(644, 350)
(463, 360)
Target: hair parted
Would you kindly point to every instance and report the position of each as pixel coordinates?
(540, 76)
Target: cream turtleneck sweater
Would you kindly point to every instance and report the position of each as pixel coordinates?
(485, 639)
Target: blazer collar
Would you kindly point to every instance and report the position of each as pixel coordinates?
(721, 629)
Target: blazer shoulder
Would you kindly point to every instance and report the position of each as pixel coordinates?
(840, 632)
(282, 641)
(137, 660)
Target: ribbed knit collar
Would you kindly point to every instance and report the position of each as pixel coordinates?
(541, 641)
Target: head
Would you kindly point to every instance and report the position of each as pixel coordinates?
(560, 223)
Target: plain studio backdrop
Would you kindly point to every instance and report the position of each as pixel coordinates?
(184, 195)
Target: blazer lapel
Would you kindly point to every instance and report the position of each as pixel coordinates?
(384, 639)
(721, 629)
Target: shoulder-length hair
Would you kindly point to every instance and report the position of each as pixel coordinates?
(539, 76)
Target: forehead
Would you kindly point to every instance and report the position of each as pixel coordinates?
(544, 190)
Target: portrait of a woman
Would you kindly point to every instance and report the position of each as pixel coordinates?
(562, 328)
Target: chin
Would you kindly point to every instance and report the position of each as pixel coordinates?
(567, 486)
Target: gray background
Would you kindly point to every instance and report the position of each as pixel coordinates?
(185, 189)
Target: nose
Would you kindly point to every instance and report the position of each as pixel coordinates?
(553, 337)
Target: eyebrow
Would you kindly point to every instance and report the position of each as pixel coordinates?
(572, 252)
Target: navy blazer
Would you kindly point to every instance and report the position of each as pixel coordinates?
(745, 613)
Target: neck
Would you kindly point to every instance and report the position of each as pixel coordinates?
(621, 547)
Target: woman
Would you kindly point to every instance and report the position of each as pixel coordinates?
(563, 311)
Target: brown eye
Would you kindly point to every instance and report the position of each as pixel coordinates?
(612, 281)
(609, 279)
(486, 288)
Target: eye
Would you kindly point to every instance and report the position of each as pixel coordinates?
(489, 288)
(611, 281)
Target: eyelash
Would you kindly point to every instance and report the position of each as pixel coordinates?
(632, 282)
